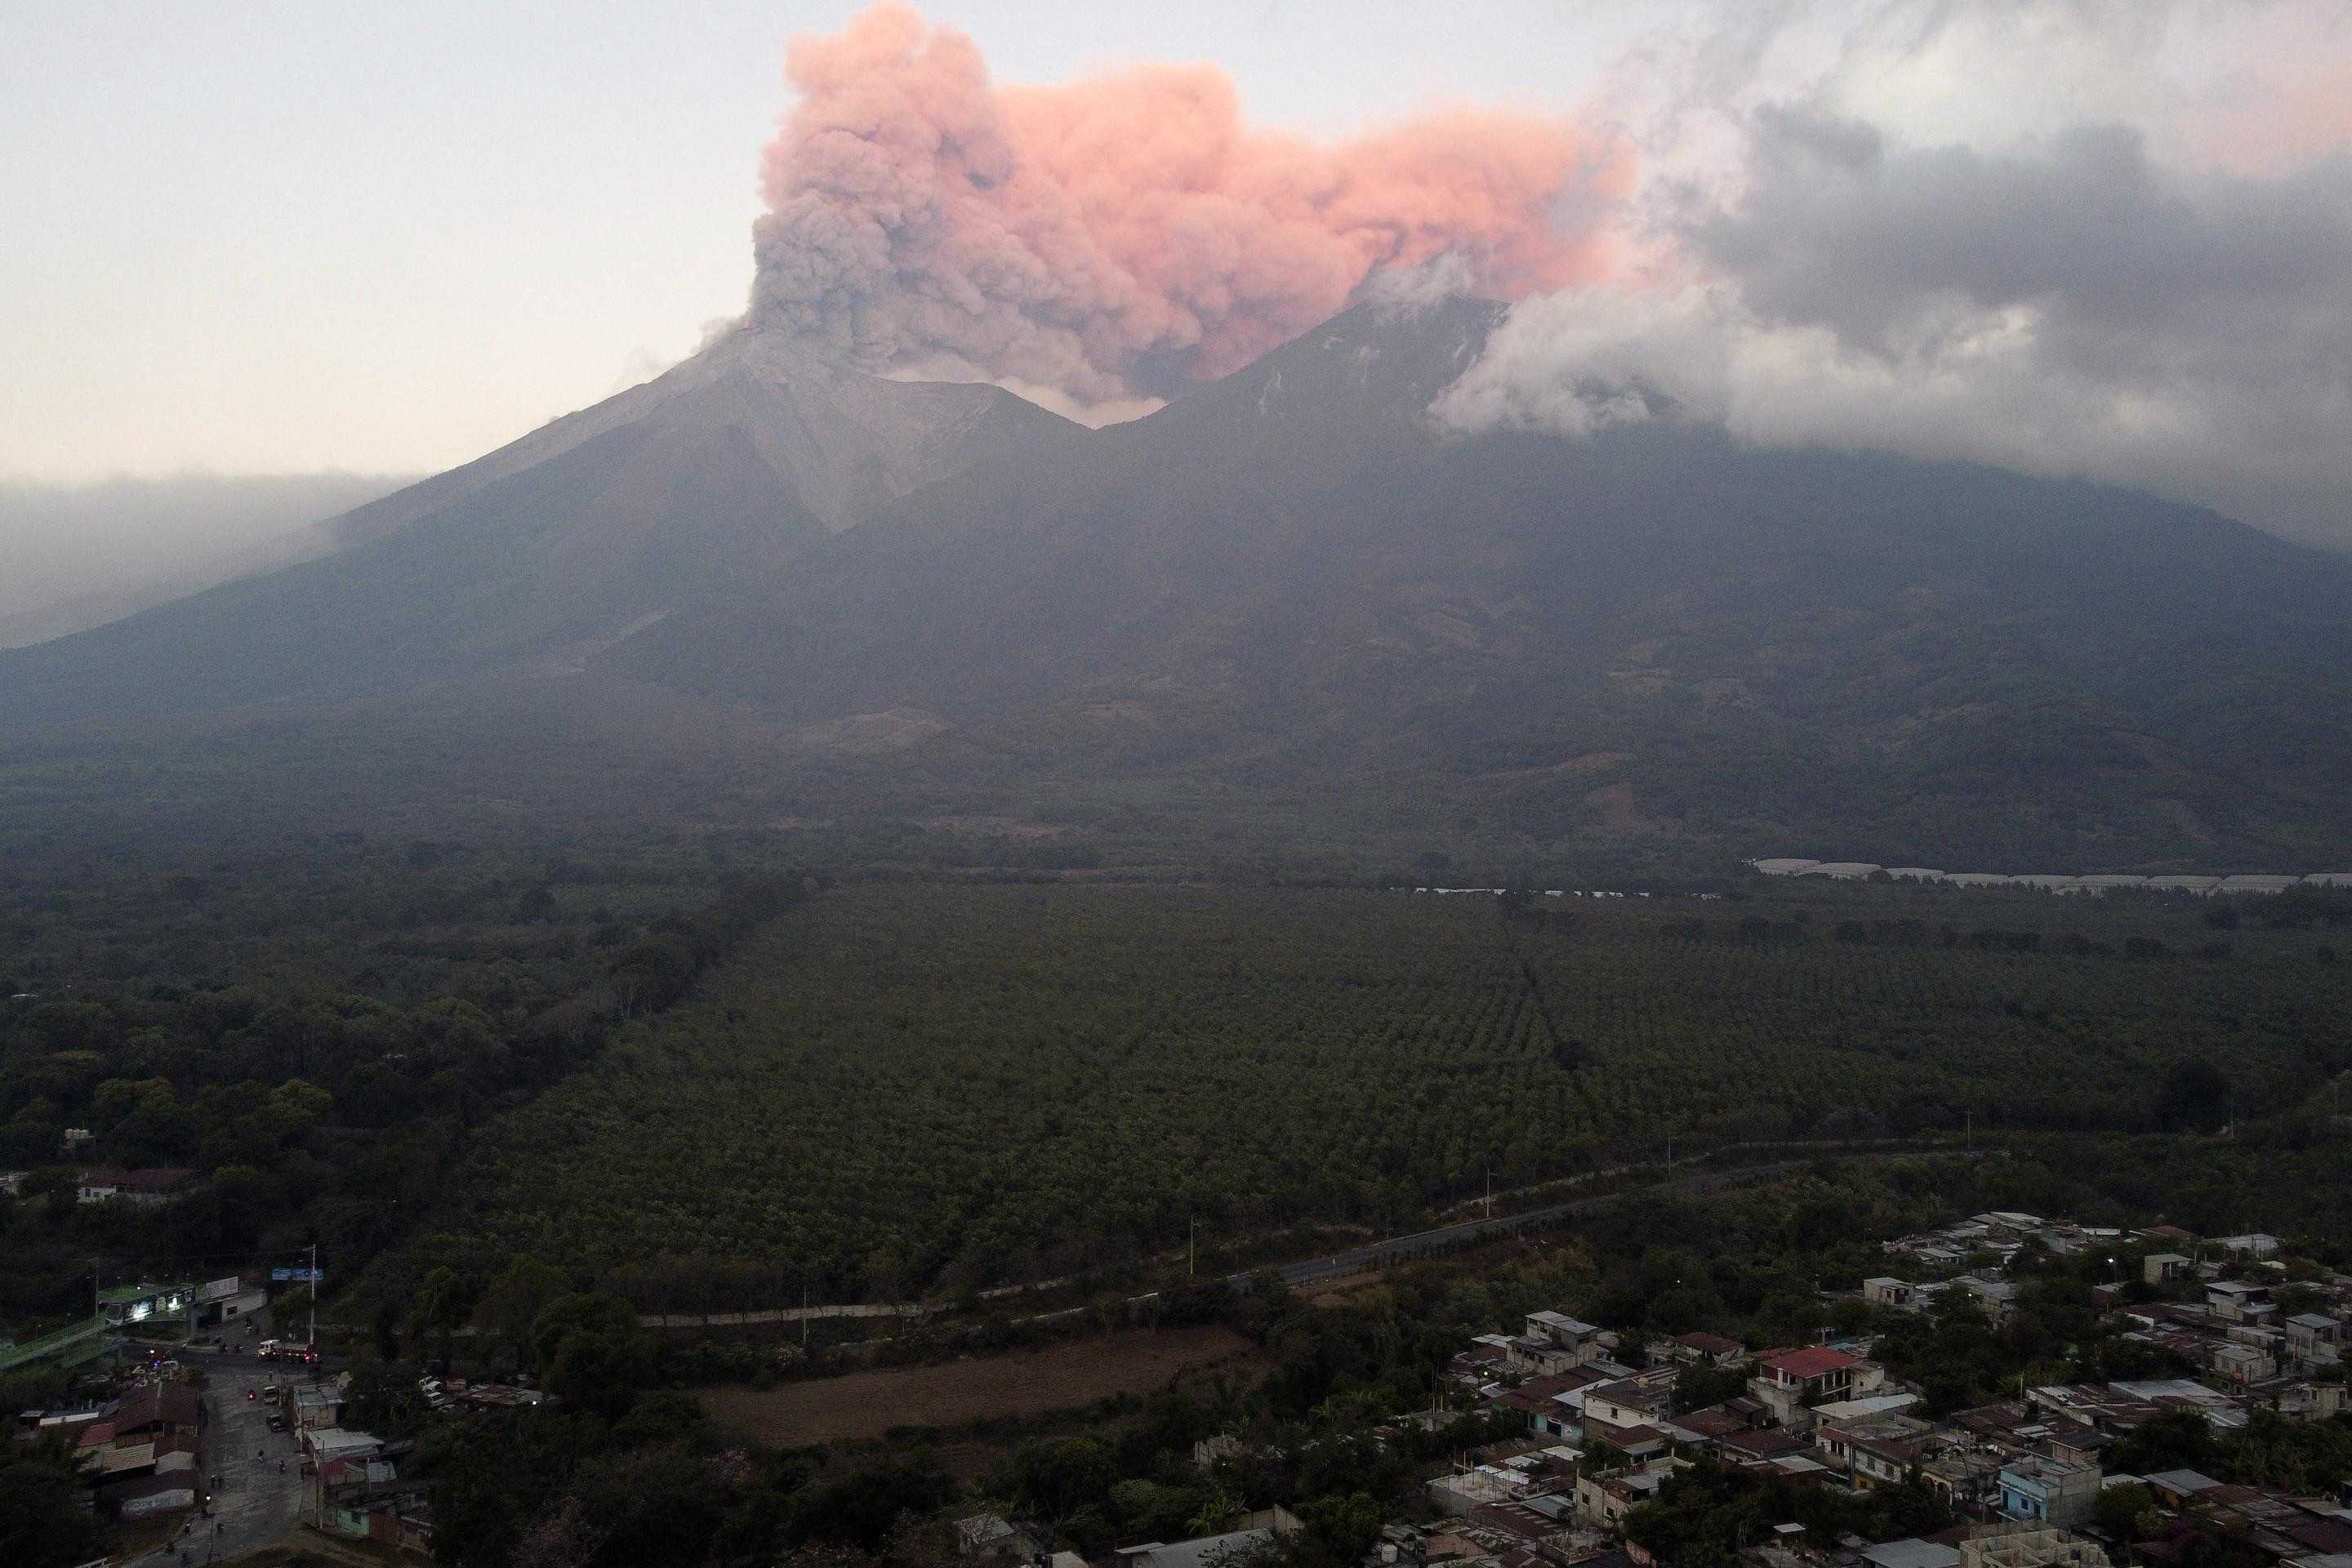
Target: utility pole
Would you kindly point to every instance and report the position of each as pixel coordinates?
(1189, 1254)
(312, 1345)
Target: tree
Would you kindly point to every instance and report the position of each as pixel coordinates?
(513, 1301)
(444, 1301)
(2195, 1097)
(2127, 1512)
(2177, 1440)
(1060, 1475)
(1340, 1530)
(42, 1522)
(383, 1399)
(592, 1352)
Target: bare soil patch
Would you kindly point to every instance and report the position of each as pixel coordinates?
(860, 1405)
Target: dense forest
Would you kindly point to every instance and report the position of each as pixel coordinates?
(313, 1037)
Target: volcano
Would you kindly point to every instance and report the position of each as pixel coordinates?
(1292, 592)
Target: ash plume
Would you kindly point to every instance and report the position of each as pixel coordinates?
(1119, 237)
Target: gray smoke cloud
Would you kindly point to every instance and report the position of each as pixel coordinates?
(2072, 305)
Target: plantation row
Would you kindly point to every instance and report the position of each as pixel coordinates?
(896, 1088)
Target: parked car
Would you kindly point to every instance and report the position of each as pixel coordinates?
(276, 1422)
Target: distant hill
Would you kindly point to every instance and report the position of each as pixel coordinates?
(79, 555)
(1289, 589)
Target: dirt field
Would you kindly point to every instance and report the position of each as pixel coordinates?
(863, 1405)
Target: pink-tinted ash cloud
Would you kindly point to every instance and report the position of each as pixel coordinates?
(1130, 233)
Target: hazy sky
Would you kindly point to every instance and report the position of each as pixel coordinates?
(267, 238)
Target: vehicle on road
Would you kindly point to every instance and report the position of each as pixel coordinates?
(277, 1424)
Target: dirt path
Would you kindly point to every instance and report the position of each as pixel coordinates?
(859, 1406)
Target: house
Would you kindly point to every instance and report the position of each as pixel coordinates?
(1874, 1450)
(1620, 1443)
(2255, 1245)
(2314, 1339)
(1543, 1356)
(1888, 1292)
(2310, 1401)
(2180, 1394)
(1911, 1552)
(1254, 1532)
(1997, 1297)
(316, 1409)
(2179, 1489)
(325, 1445)
(1707, 1350)
(1561, 1330)
(2003, 1424)
(1789, 1382)
(1761, 1445)
(1967, 1482)
(1553, 1405)
(2008, 1224)
(2163, 1268)
(147, 1188)
(153, 1409)
(2236, 1301)
(1606, 1498)
(1868, 1405)
(2049, 1491)
(989, 1535)
(2079, 1413)
(1899, 1294)
(2243, 1364)
(1641, 1400)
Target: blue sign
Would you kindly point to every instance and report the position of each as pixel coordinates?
(300, 1276)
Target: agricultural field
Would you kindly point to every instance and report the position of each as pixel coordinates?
(899, 1088)
(859, 1407)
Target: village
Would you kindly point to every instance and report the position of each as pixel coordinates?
(205, 1438)
(1610, 1422)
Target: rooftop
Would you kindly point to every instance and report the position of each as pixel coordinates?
(1818, 1362)
(1911, 1552)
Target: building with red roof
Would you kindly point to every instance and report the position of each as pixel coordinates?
(1792, 1382)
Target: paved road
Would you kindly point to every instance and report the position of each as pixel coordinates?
(1357, 1259)
(257, 1502)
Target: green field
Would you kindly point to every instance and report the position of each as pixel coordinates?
(906, 1086)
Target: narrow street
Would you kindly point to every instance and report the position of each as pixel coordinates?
(255, 1502)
